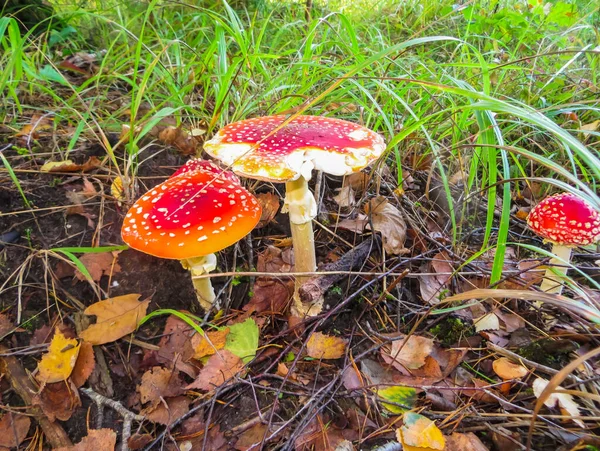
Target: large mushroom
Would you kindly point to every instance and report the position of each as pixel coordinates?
(565, 220)
(282, 149)
(200, 210)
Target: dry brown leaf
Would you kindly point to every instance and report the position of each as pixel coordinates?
(219, 368)
(564, 401)
(6, 325)
(209, 343)
(389, 221)
(99, 264)
(464, 442)
(321, 346)
(270, 206)
(57, 364)
(138, 441)
(251, 439)
(180, 139)
(410, 353)
(441, 264)
(487, 322)
(86, 362)
(175, 409)
(96, 440)
(13, 430)
(508, 370)
(345, 196)
(37, 127)
(274, 260)
(175, 347)
(159, 383)
(69, 166)
(356, 225)
(115, 318)
(58, 401)
(270, 295)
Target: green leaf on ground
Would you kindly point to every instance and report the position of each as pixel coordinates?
(243, 340)
(405, 396)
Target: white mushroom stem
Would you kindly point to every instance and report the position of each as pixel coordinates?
(302, 208)
(553, 282)
(199, 266)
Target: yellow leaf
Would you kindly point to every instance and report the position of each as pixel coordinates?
(116, 189)
(58, 363)
(209, 343)
(419, 433)
(116, 317)
(321, 346)
(54, 165)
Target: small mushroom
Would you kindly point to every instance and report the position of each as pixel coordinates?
(200, 210)
(565, 220)
(282, 149)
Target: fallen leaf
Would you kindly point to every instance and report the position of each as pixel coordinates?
(441, 264)
(57, 364)
(116, 189)
(270, 295)
(242, 340)
(115, 318)
(591, 127)
(487, 322)
(175, 346)
(97, 440)
(270, 206)
(410, 352)
(174, 409)
(69, 166)
(209, 343)
(405, 396)
(345, 196)
(13, 430)
(58, 401)
(219, 368)
(464, 442)
(389, 221)
(98, 264)
(159, 383)
(274, 260)
(419, 433)
(321, 346)
(564, 401)
(356, 225)
(318, 435)
(179, 138)
(251, 439)
(6, 325)
(86, 362)
(508, 370)
(37, 124)
(138, 441)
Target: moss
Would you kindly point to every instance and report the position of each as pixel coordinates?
(552, 353)
(451, 331)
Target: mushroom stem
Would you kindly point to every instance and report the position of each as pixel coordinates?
(203, 287)
(302, 208)
(552, 282)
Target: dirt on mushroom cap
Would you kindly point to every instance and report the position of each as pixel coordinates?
(262, 148)
(565, 219)
(193, 214)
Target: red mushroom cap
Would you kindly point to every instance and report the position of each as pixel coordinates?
(565, 219)
(191, 215)
(197, 164)
(258, 148)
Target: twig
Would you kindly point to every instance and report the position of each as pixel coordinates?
(128, 415)
(538, 366)
(15, 373)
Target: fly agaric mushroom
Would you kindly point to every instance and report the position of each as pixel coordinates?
(279, 149)
(565, 220)
(200, 210)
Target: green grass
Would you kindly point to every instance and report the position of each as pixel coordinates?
(484, 88)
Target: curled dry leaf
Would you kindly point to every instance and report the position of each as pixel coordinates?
(270, 206)
(96, 440)
(508, 370)
(85, 364)
(321, 346)
(116, 317)
(159, 383)
(564, 401)
(57, 364)
(98, 265)
(219, 368)
(345, 196)
(410, 352)
(69, 166)
(13, 430)
(487, 322)
(58, 401)
(464, 442)
(209, 343)
(168, 410)
(419, 433)
(180, 139)
(388, 220)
